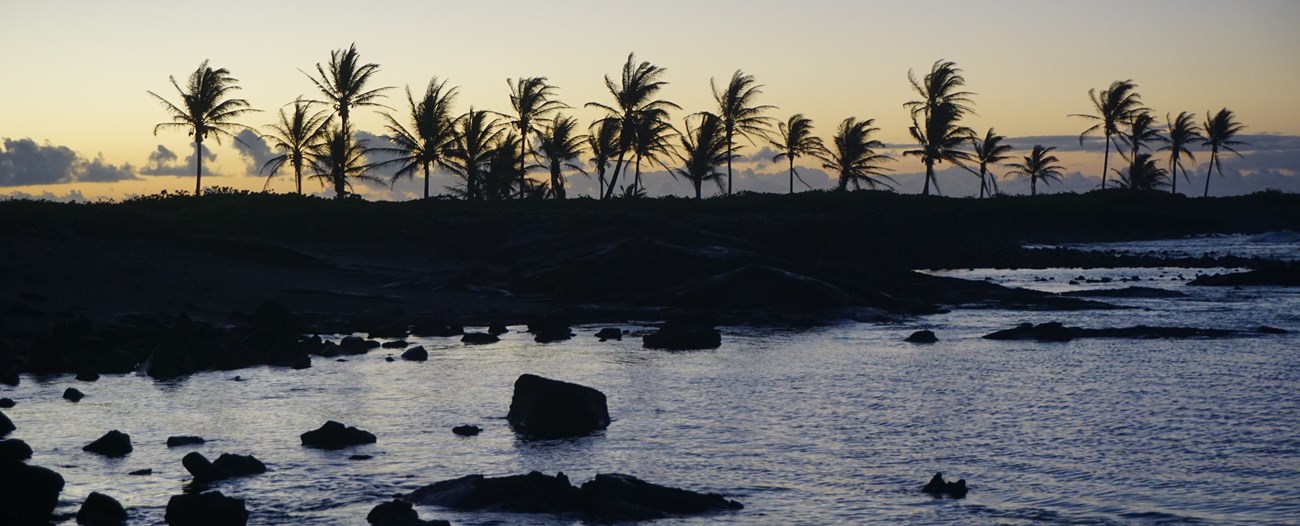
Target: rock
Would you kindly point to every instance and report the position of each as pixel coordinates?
(390, 359)
(334, 435)
(302, 361)
(1043, 332)
(479, 338)
(101, 510)
(6, 425)
(399, 513)
(615, 497)
(184, 440)
(925, 336)
(356, 345)
(435, 328)
(759, 287)
(395, 344)
(141, 472)
(87, 376)
(6, 403)
(415, 354)
(361, 457)
(498, 328)
(28, 494)
(546, 408)
(226, 466)
(205, 509)
(531, 493)
(1127, 292)
(681, 335)
(609, 333)
(939, 487)
(467, 430)
(113, 444)
(71, 394)
(1264, 277)
(1262, 329)
(1055, 332)
(552, 328)
(14, 450)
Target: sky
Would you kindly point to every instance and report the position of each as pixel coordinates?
(75, 114)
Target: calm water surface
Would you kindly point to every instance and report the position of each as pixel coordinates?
(840, 424)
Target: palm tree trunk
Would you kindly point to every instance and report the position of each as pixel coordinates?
(791, 175)
(1214, 157)
(1173, 179)
(983, 183)
(557, 187)
(198, 163)
(729, 146)
(613, 179)
(426, 180)
(637, 182)
(1105, 163)
(697, 183)
(523, 155)
(1033, 186)
(297, 175)
(929, 174)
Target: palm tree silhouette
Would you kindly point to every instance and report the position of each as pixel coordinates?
(603, 142)
(796, 139)
(204, 109)
(739, 113)
(989, 151)
(296, 136)
(634, 98)
(1142, 131)
(852, 156)
(1143, 174)
(503, 172)
(941, 106)
(561, 147)
(1219, 132)
(1113, 106)
(339, 161)
(428, 139)
(652, 138)
(1039, 165)
(472, 151)
(704, 150)
(343, 82)
(1181, 132)
(532, 99)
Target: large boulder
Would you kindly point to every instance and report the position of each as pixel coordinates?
(614, 497)
(6, 425)
(71, 394)
(227, 466)
(399, 513)
(101, 510)
(14, 450)
(113, 444)
(205, 509)
(334, 435)
(546, 408)
(416, 354)
(531, 493)
(28, 494)
(922, 336)
(683, 335)
(357, 345)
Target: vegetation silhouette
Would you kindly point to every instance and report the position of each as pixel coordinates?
(532, 99)
(296, 136)
(1143, 174)
(561, 147)
(1220, 131)
(1039, 165)
(476, 139)
(652, 141)
(739, 113)
(853, 156)
(602, 141)
(1180, 134)
(795, 139)
(936, 117)
(705, 150)
(429, 137)
(205, 108)
(343, 83)
(341, 160)
(1113, 106)
(634, 103)
(989, 151)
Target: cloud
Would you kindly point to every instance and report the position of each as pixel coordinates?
(24, 162)
(253, 147)
(73, 196)
(162, 161)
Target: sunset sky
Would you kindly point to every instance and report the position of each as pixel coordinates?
(76, 72)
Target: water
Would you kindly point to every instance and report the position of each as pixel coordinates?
(840, 424)
(1284, 246)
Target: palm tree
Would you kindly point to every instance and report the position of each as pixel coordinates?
(532, 99)
(503, 172)
(941, 107)
(852, 156)
(561, 147)
(344, 81)
(296, 136)
(704, 149)
(796, 139)
(1113, 106)
(340, 160)
(1142, 131)
(1143, 174)
(652, 139)
(634, 99)
(1039, 165)
(603, 142)
(472, 150)
(1219, 132)
(1181, 133)
(739, 114)
(204, 109)
(431, 133)
(989, 151)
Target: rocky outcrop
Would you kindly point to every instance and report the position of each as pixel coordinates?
(939, 487)
(924, 336)
(609, 333)
(14, 450)
(28, 494)
(683, 335)
(357, 345)
(101, 510)
(549, 329)
(113, 444)
(545, 408)
(1056, 332)
(399, 513)
(1266, 277)
(479, 338)
(334, 435)
(616, 497)
(6, 425)
(1126, 292)
(415, 354)
(226, 466)
(211, 508)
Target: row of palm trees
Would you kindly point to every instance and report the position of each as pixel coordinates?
(490, 152)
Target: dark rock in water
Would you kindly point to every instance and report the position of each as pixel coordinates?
(6, 403)
(87, 376)
(549, 329)
(1043, 332)
(14, 450)
(184, 440)
(609, 333)
(1055, 332)
(759, 287)
(614, 497)
(334, 435)
(434, 328)
(1265, 329)
(926, 336)
(226, 466)
(28, 494)
(71, 394)
(205, 509)
(395, 344)
(497, 328)
(356, 345)
(416, 354)
(390, 359)
(101, 510)
(547, 408)
(479, 338)
(302, 361)
(399, 513)
(113, 444)
(531, 493)
(361, 457)
(467, 430)
(1276, 277)
(6, 425)
(939, 487)
(1127, 292)
(141, 472)
(679, 335)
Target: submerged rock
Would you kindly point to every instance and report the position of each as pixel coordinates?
(479, 338)
(87, 376)
(1265, 329)
(101, 510)
(334, 435)
(205, 509)
(545, 408)
(6, 403)
(399, 513)
(467, 430)
(925, 336)
(71, 394)
(497, 328)
(395, 344)
(1056, 332)
(682, 335)
(416, 354)
(1277, 277)
(28, 494)
(1126, 292)
(939, 487)
(184, 440)
(609, 333)
(113, 444)
(616, 497)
